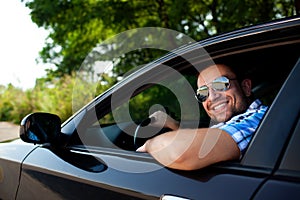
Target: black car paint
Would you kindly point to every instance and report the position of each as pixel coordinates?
(12, 156)
(149, 185)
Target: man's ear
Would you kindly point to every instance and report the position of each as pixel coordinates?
(246, 87)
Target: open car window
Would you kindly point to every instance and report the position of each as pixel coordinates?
(113, 121)
(172, 95)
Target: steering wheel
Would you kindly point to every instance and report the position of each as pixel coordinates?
(148, 132)
(136, 141)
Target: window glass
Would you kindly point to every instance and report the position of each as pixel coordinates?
(117, 128)
(157, 97)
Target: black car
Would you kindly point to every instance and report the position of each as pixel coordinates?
(92, 155)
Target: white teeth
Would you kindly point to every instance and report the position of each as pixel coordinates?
(219, 106)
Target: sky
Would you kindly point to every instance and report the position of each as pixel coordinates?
(20, 43)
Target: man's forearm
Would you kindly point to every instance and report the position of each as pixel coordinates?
(190, 149)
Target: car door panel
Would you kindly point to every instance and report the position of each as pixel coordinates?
(126, 177)
(12, 155)
(279, 189)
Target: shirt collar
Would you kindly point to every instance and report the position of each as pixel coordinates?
(255, 104)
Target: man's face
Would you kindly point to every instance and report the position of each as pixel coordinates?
(223, 105)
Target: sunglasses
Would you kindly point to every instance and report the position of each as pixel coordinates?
(220, 84)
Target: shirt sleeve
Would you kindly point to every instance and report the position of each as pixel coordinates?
(242, 127)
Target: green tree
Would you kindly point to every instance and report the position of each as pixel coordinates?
(79, 25)
(14, 104)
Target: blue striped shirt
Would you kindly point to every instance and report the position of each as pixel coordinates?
(242, 127)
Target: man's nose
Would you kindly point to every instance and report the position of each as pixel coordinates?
(213, 95)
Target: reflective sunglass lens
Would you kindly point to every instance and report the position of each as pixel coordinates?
(201, 98)
(221, 84)
(202, 93)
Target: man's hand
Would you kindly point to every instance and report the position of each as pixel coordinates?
(161, 119)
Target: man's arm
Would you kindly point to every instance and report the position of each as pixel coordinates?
(189, 149)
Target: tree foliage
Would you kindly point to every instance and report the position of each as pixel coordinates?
(53, 96)
(79, 25)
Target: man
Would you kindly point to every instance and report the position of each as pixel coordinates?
(226, 99)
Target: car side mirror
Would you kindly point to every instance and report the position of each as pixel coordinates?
(40, 128)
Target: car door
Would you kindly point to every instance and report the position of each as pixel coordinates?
(125, 176)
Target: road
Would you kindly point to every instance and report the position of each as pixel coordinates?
(8, 131)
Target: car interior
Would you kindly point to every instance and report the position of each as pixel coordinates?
(117, 126)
